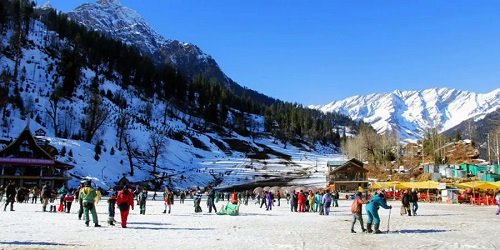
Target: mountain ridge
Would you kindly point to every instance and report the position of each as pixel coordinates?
(122, 23)
(412, 112)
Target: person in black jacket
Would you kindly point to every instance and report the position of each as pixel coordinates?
(10, 193)
(413, 201)
(336, 197)
(211, 200)
(405, 200)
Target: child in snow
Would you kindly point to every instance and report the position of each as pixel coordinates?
(68, 200)
(197, 200)
(168, 197)
(143, 196)
(372, 212)
(52, 201)
(111, 208)
(356, 210)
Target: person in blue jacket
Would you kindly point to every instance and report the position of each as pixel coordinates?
(372, 212)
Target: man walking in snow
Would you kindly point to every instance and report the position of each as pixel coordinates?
(327, 202)
(79, 199)
(46, 195)
(293, 202)
(336, 197)
(405, 202)
(10, 192)
(413, 201)
(125, 201)
(211, 200)
(88, 196)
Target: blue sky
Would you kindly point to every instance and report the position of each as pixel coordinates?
(315, 53)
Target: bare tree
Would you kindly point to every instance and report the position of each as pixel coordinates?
(157, 144)
(4, 93)
(131, 148)
(148, 112)
(96, 115)
(121, 126)
(52, 112)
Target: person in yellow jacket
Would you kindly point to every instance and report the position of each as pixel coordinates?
(88, 196)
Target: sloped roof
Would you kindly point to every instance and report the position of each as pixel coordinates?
(25, 135)
(352, 162)
(40, 152)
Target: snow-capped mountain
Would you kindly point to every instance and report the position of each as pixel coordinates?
(191, 156)
(411, 113)
(124, 24)
(110, 17)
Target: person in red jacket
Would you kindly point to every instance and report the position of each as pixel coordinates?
(68, 200)
(302, 201)
(356, 209)
(125, 200)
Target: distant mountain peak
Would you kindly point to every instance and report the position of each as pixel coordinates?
(126, 25)
(109, 2)
(411, 113)
(46, 6)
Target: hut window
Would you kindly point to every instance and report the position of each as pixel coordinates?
(25, 148)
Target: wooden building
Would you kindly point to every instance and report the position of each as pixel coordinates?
(28, 164)
(346, 176)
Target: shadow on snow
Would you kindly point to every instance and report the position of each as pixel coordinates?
(419, 231)
(39, 243)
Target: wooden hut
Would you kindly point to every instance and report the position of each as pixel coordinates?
(28, 164)
(346, 176)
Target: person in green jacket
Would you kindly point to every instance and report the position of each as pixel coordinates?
(88, 195)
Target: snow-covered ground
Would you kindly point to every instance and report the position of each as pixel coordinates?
(438, 226)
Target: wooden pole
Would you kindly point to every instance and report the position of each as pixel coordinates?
(498, 151)
(489, 151)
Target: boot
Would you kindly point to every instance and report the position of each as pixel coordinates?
(87, 223)
(377, 231)
(44, 208)
(369, 228)
(97, 225)
(165, 211)
(352, 231)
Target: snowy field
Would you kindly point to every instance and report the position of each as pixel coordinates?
(438, 226)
